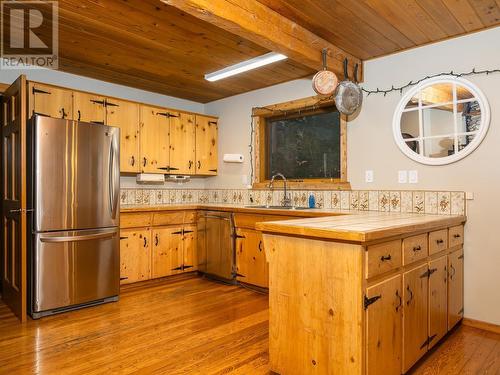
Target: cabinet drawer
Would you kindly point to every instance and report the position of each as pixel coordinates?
(247, 220)
(135, 219)
(174, 217)
(456, 235)
(415, 248)
(383, 257)
(438, 241)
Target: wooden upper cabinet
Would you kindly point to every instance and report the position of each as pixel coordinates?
(384, 327)
(438, 302)
(154, 140)
(125, 115)
(455, 287)
(206, 145)
(89, 107)
(182, 143)
(51, 101)
(415, 315)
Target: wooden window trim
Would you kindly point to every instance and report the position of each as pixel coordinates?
(259, 116)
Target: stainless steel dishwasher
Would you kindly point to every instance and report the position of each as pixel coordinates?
(216, 252)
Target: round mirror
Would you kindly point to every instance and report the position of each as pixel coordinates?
(441, 120)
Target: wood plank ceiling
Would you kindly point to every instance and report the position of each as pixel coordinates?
(153, 46)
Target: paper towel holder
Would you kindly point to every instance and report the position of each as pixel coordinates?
(233, 158)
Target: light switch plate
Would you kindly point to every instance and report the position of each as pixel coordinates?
(369, 176)
(413, 177)
(402, 177)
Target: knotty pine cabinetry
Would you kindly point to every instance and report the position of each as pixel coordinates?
(152, 139)
(384, 301)
(417, 303)
(157, 244)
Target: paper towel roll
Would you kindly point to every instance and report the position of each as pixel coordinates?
(233, 158)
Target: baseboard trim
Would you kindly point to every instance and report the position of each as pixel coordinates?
(481, 325)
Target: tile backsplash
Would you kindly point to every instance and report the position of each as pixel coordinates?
(435, 202)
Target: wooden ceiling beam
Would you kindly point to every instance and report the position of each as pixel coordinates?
(256, 22)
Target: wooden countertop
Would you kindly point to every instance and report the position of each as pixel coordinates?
(315, 212)
(345, 225)
(361, 226)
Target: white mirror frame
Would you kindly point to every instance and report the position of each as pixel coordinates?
(483, 129)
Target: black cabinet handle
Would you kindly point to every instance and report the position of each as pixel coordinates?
(453, 271)
(260, 245)
(439, 242)
(199, 164)
(411, 295)
(157, 240)
(190, 164)
(400, 301)
(132, 160)
(386, 257)
(145, 241)
(417, 248)
(144, 162)
(456, 236)
(64, 114)
(79, 115)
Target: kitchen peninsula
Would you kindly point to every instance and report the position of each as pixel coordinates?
(363, 293)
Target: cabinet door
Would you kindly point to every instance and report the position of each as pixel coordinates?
(135, 255)
(455, 287)
(384, 327)
(206, 145)
(125, 115)
(251, 262)
(415, 315)
(89, 107)
(154, 140)
(52, 101)
(182, 144)
(167, 251)
(190, 262)
(438, 293)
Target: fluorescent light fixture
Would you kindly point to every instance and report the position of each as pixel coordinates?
(244, 66)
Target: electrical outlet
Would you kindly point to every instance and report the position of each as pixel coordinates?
(369, 176)
(402, 177)
(413, 177)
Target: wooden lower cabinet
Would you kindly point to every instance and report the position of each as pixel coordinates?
(415, 315)
(167, 256)
(438, 299)
(135, 255)
(251, 264)
(384, 327)
(455, 287)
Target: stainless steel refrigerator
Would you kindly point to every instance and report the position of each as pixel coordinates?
(74, 179)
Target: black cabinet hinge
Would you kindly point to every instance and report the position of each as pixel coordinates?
(100, 102)
(123, 238)
(123, 278)
(178, 232)
(461, 256)
(238, 236)
(212, 123)
(213, 170)
(168, 169)
(369, 301)
(238, 274)
(109, 104)
(97, 122)
(177, 268)
(166, 114)
(188, 231)
(38, 91)
(184, 267)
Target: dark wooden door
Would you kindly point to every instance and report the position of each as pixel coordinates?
(13, 217)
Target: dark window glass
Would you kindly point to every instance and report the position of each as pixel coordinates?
(305, 146)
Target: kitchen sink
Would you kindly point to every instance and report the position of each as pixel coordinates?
(280, 207)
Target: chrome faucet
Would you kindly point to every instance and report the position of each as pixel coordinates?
(286, 200)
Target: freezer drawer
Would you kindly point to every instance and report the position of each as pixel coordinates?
(77, 175)
(75, 267)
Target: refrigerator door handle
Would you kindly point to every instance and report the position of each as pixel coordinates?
(83, 237)
(113, 194)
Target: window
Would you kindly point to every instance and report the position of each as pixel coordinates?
(305, 146)
(304, 140)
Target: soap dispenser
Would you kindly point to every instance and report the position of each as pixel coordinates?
(312, 201)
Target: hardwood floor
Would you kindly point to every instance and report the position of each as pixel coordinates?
(186, 326)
